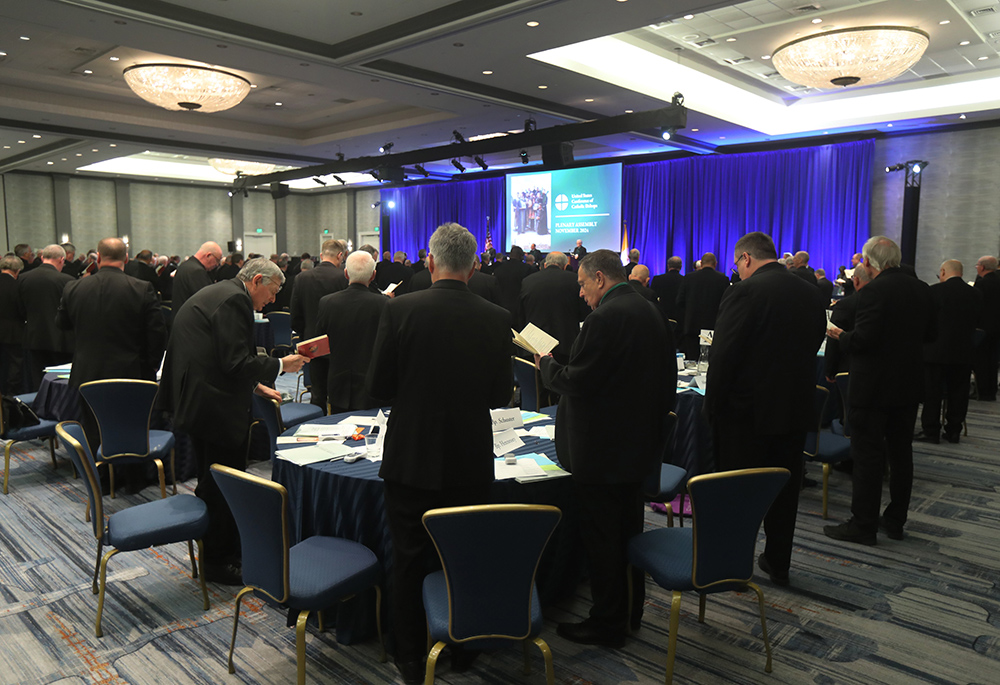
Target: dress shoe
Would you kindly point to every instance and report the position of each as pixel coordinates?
(891, 528)
(591, 633)
(933, 438)
(779, 579)
(850, 532)
(223, 574)
(411, 671)
(952, 438)
(461, 659)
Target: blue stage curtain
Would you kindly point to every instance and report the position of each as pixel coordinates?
(477, 205)
(815, 199)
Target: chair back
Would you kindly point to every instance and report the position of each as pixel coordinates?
(490, 589)
(811, 447)
(260, 508)
(281, 325)
(843, 384)
(269, 412)
(527, 377)
(727, 509)
(123, 407)
(75, 441)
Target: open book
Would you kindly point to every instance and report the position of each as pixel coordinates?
(534, 340)
(314, 347)
(391, 288)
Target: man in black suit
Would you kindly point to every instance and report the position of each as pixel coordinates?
(141, 267)
(11, 328)
(856, 259)
(579, 251)
(638, 278)
(232, 267)
(120, 332)
(350, 319)
(699, 296)
(770, 326)
(166, 275)
(39, 292)
(509, 274)
(948, 359)
(27, 256)
(800, 267)
(437, 453)
(483, 284)
(843, 314)
(551, 300)
(985, 364)
(633, 261)
(193, 274)
(310, 287)
(394, 272)
(895, 318)
(825, 286)
(621, 372)
(421, 263)
(667, 286)
(537, 254)
(209, 373)
(283, 300)
(71, 267)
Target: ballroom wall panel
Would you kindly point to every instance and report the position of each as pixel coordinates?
(367, 218)
(178, 219)
(308, 216)
(258, 212)
(92, 212)
(30, 210)
(332, 213)
(4, 247)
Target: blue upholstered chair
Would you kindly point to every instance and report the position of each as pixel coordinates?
(668, 481)
(305, 378)
(280, 417)
(527, 379)
(124, 407)
(823, 446)
(843, 381)
(716, 554)
(45, 429)
(310, 576)
(160, 522)
(281, 325)
(485, 596)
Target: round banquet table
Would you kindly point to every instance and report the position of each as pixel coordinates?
(263, 334)
(347, 501)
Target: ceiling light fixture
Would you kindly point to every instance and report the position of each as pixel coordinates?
(458, 165)
(482, 164)
(319, 180)
(236, 167)
(532, 24)
(524, 156)
(182, 87)
(668, 133)
(339, 180)
(385, 148)
(848, 57)
(421, 170)
(965, 42)
(114, 59)
(459, 138)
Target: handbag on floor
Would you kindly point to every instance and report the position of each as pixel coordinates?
(17, 414)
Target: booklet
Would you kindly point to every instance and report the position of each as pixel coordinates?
(534, 340)
(314, 347)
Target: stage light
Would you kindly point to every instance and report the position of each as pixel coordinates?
(375, 174)
(458, 165)
(340, 156)
(524, 156)
(386, 148)
(339, 180)
(376, 204)
(529, 124)
(917, 166)
(459, 138)
(668, 133)
(391, 204)
(420, 168)
(230, 193)
(319, 180)
(895, 167)
(483, 165)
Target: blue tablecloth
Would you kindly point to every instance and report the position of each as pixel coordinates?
(691, 446)
(263, 334)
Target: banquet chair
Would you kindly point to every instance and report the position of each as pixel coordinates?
(278, 417)
(843, 381)
(716, 554)
(281, 324)
(668, 481)
(825, 447)
(160, 522)
(304, 377)
(45, 429)
(527, 378)
(313, 575)
(485, 598)
(124, 407)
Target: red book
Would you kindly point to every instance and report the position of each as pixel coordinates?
(314, 347)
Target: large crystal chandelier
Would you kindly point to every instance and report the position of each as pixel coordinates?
(850, 57)
(187, 86)
(237, 167)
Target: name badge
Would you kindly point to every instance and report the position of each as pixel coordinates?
(504, 419)
(506, 441)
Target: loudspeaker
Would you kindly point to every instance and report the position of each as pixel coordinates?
(557, 155)
(279, 190)
(231, 246)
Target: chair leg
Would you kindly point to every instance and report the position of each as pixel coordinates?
(200, 577)
(173, 469)
(763, 625)
(300, 645)
(52, 451)
(378, 623)
(102, 584)
(701, 608)
(432, 658)
(6, 463)
(826, 487)
(550, 677)
(111, 479)
(97, 564)
(670, 514)
(680, 511)
(159, 472)
(236, 621)
(319, 621)
(675, 616)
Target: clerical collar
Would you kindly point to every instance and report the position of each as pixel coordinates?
(610, 290)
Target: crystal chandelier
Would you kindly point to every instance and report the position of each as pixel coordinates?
(850, 57)
(236, 167)
(186, 86)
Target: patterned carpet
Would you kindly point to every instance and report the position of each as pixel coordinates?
(921, 610)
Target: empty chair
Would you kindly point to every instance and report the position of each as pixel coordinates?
(160, 522)
(313, 575)
(485, 597)
(124, 407)
(305, 378)
(716, 554)
(280, 417)
(825, 447)
(281, 325)
(668, 481)
(44, 429)
(526, 376)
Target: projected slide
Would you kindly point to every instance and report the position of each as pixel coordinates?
(554, 209)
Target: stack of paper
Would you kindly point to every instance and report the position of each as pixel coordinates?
(327, 430)
(529, 468)
(327, 451)
(60, 368)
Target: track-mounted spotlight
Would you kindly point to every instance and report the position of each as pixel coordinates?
(319, 180)
(482, 165)
(529, 124)
(895, 167)
(339, 180)
(376, 203)
(458, 165)
(386, 148)
(668, 133)
(459, 138)
(917, 166)
(524, 156)
(420, 168)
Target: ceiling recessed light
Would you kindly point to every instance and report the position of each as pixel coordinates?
(113, 145)
(36, 136)
(817, 20)
(94, 150)
(730, 40)
(64, 159)
(88, 72)
(965, 42)
(695, 130)
(589, 100)
(25, 38)
(961, 116)
(765, 57)
(50, 162)
(532, 24)
(253, 85)
(79, 154)
(487, 72)
(984, 57)
(114, 59)
(889, 125)
(3, 54)
(689, 17)
(277, 104)
(945, 22)
(628, 111)
(542, 87)
(21, 142)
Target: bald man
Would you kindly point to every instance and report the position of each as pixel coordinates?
(193, 274)
(639, 279)
(700, 294)
(948, 359)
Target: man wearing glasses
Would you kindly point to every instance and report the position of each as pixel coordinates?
(193, 274)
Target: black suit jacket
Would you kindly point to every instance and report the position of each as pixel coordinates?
(805, 273)
(699, 296)
(826, 289)
(763, 359)
(420, 281)
(11, 320)
(166, 285)
(350, 318)
(616, 391)
(509, 275)
(895, 318)
(958, 308)
(843, 315)
(190, 277)
(551, 300)
(393, 272)
(120, 331)
(144, 272)
(486, 286)
(667, 286)
(309, 288)
(442, 359)
(644, 291)
(989, 286)
(212, 367)
(39, 293)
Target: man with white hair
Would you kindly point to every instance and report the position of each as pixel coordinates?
(39, 292)
(350, 319)
(633, 260)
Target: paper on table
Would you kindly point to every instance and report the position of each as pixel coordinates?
(541, 432)
(534, 340)
(549, 468)
(506, 418)
(531, 416)
(316, 453)
(524, 468)
(325, 430)
(506, 441)
(359, 421)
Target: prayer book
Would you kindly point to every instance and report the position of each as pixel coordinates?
(391, 287)
(314, 347)
(534, 340)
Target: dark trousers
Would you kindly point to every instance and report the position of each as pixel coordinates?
(39, 359)
(985, 367)
(738, 446)
(11, 367)
(949, 382)
(413, 557)
(222, 540)
(610, 515)
(879, 434)
(319, 368)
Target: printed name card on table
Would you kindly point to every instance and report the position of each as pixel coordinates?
(504, 419)
(506, 441)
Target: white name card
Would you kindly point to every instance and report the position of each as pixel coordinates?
(506, 441)
(504, 419)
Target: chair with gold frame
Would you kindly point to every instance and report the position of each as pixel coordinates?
(485, 598)
(281, 324)
(716, 554)
(183, 518)
(313, 575)
(45, 430)
(124, 408)
(279, 417)
(826, 447)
